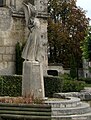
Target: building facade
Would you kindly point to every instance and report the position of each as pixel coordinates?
(13, 30)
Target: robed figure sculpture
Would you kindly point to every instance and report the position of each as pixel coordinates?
(33, 48)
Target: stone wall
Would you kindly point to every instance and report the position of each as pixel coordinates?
(59, 69)
(17, 4)
(12, 29)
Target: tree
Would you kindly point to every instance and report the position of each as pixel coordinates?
(18, 59)
(73, 73)
(86, 45)
(67, 27)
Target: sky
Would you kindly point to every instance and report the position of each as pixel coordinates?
(86, 5)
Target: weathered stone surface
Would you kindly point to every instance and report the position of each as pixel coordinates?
(10, 50)
(12, 29)
(19, 4)
(7, 68)
(5, 19)
(16, 4)
(83, 95)
(64, 110)
(2, 50)
(41, 5)
(1, 58)
(32, 83)
(1, 40)
(7, 57)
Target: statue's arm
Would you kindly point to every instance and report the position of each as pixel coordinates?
(30, 13)
(32, 7)
(27, 12)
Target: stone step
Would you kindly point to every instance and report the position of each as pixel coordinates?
(86, 116)
(70, 109)
(69, 102)
(84, 108)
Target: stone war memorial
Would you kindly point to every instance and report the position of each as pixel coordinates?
(24, 21)
(13, 29)
(34, 52)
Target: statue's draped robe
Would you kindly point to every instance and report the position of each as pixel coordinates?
(33, 48)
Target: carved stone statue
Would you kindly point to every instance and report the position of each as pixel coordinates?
(33, 48)
(34, 52)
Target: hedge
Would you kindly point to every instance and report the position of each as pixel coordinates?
(73, 86)
(12, 85)
(52, 85)
(87, 80)
(70, 84)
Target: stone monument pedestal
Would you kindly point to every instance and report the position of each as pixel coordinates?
(32, 79)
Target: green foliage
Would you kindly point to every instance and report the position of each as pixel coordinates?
(10, 85)
(86, 45)
(18, 60)
(70, 84)
(52, 85)
(86, 80)
(89, 68)
(66, 76)
(73, 86)
(73, 72)
(84, 48)
(67, 27)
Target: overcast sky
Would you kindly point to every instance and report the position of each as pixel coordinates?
(86, 5)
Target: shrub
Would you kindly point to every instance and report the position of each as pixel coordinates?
(73, 72)
(52, 85)
(70, 84)
(10, 85)
(73, 86)
(18, 60)
(87, 80)
(66, 76)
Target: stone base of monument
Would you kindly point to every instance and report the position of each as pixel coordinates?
(32, 80)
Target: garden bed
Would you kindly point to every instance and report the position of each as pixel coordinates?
(15, 108)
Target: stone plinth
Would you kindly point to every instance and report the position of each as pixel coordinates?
(32, 81)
